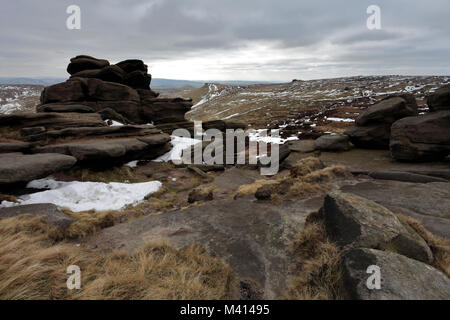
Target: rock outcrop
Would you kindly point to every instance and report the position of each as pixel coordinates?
(125, 88)
(20, 168)
(401, 278)
(423, 138)
(373, 126)
(440, 100)
(332, 142)
(355, 222)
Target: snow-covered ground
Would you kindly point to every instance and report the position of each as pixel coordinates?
(82, 196)
(179, 144)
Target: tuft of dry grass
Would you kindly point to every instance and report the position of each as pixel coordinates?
(327, 174)
(89, 222)
(249, 189)
(439, 246)
(306, 166)
(316, 274)
(33, 267)
(114, 174)
(302, 189)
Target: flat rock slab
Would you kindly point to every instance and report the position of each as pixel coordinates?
(51, 214)
(404, 176)
(401, 278)
(17, 167)
(304, 146)
(103, 149)
(8, 147)
(429, 203)
(378, 160)
(253, 238)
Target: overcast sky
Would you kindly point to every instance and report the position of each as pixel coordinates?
(276, 40)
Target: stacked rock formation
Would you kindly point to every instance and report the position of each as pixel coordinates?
(121, 92)
(427, 137)
(373, 126)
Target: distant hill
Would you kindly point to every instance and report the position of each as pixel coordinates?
(157, 83)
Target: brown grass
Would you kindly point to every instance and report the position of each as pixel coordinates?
(306, 166)
(317, 271)
(249, 189)
(327, 174)
(33, 267)
(114, 174)
(439, 246)
(302, 189)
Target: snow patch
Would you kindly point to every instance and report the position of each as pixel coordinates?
(179, 144)
(82, 196)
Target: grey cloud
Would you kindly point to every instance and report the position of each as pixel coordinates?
(35, 42)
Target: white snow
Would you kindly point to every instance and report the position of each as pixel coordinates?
(340, 119)
(82, 196)
(114, 123)
(263, 135)
(132, 164)
(179, 144)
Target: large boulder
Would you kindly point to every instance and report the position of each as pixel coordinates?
(421, 138)
(355, 222)
(110, 73)
(373, 126)
(427, 203)
(99, 90)
(81, 63)
(440, 100)
(165, 110)
(304, 146)
(370, 137)
(332, 142)
(132, 65)
(18, 168)
(68, 91)
(138, 80)
(401, 278)
(388, 111)
(52, 214)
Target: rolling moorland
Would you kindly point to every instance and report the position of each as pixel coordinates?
(87, 178)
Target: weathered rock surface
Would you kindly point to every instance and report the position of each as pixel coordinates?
(335, 142)
(54, 107)
(373, 126)
(371, 136)
(165, 110)
(17, 167)
(8, 147)
(52, 214)
(401, 278)
(304, 146)
(388, 111)
(405, 176)
(83, 62)
(440, 100)
(254, 238)
(355, 222)
(110, 149)
(50, 120)
(429, 203)
(421, 138)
